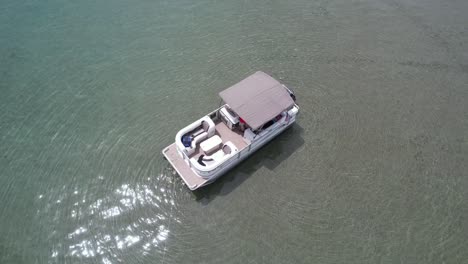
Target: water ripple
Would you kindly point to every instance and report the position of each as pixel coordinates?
(133, 217)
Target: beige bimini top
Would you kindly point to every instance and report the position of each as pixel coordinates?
(257, 99)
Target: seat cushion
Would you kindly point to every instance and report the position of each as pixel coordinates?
(198, 132)
(198, 139)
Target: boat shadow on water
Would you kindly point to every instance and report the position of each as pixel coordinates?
(270, 156)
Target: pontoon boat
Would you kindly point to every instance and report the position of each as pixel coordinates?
(255, 110)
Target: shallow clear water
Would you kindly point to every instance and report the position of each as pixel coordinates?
(375, 171)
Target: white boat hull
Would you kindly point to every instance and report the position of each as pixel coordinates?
(194, 179)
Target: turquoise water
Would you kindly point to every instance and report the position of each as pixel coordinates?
(374, 171)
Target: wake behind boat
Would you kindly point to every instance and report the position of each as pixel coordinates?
(256, 110)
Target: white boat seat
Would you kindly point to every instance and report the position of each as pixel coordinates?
(198, 139)
(207, 163)
(211, 144)
(199, 130)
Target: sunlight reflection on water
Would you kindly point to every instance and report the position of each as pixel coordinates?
(133, 217)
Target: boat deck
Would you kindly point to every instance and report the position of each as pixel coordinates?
(186, 173)
(227, 134)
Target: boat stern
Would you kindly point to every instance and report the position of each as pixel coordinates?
(182, 167)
